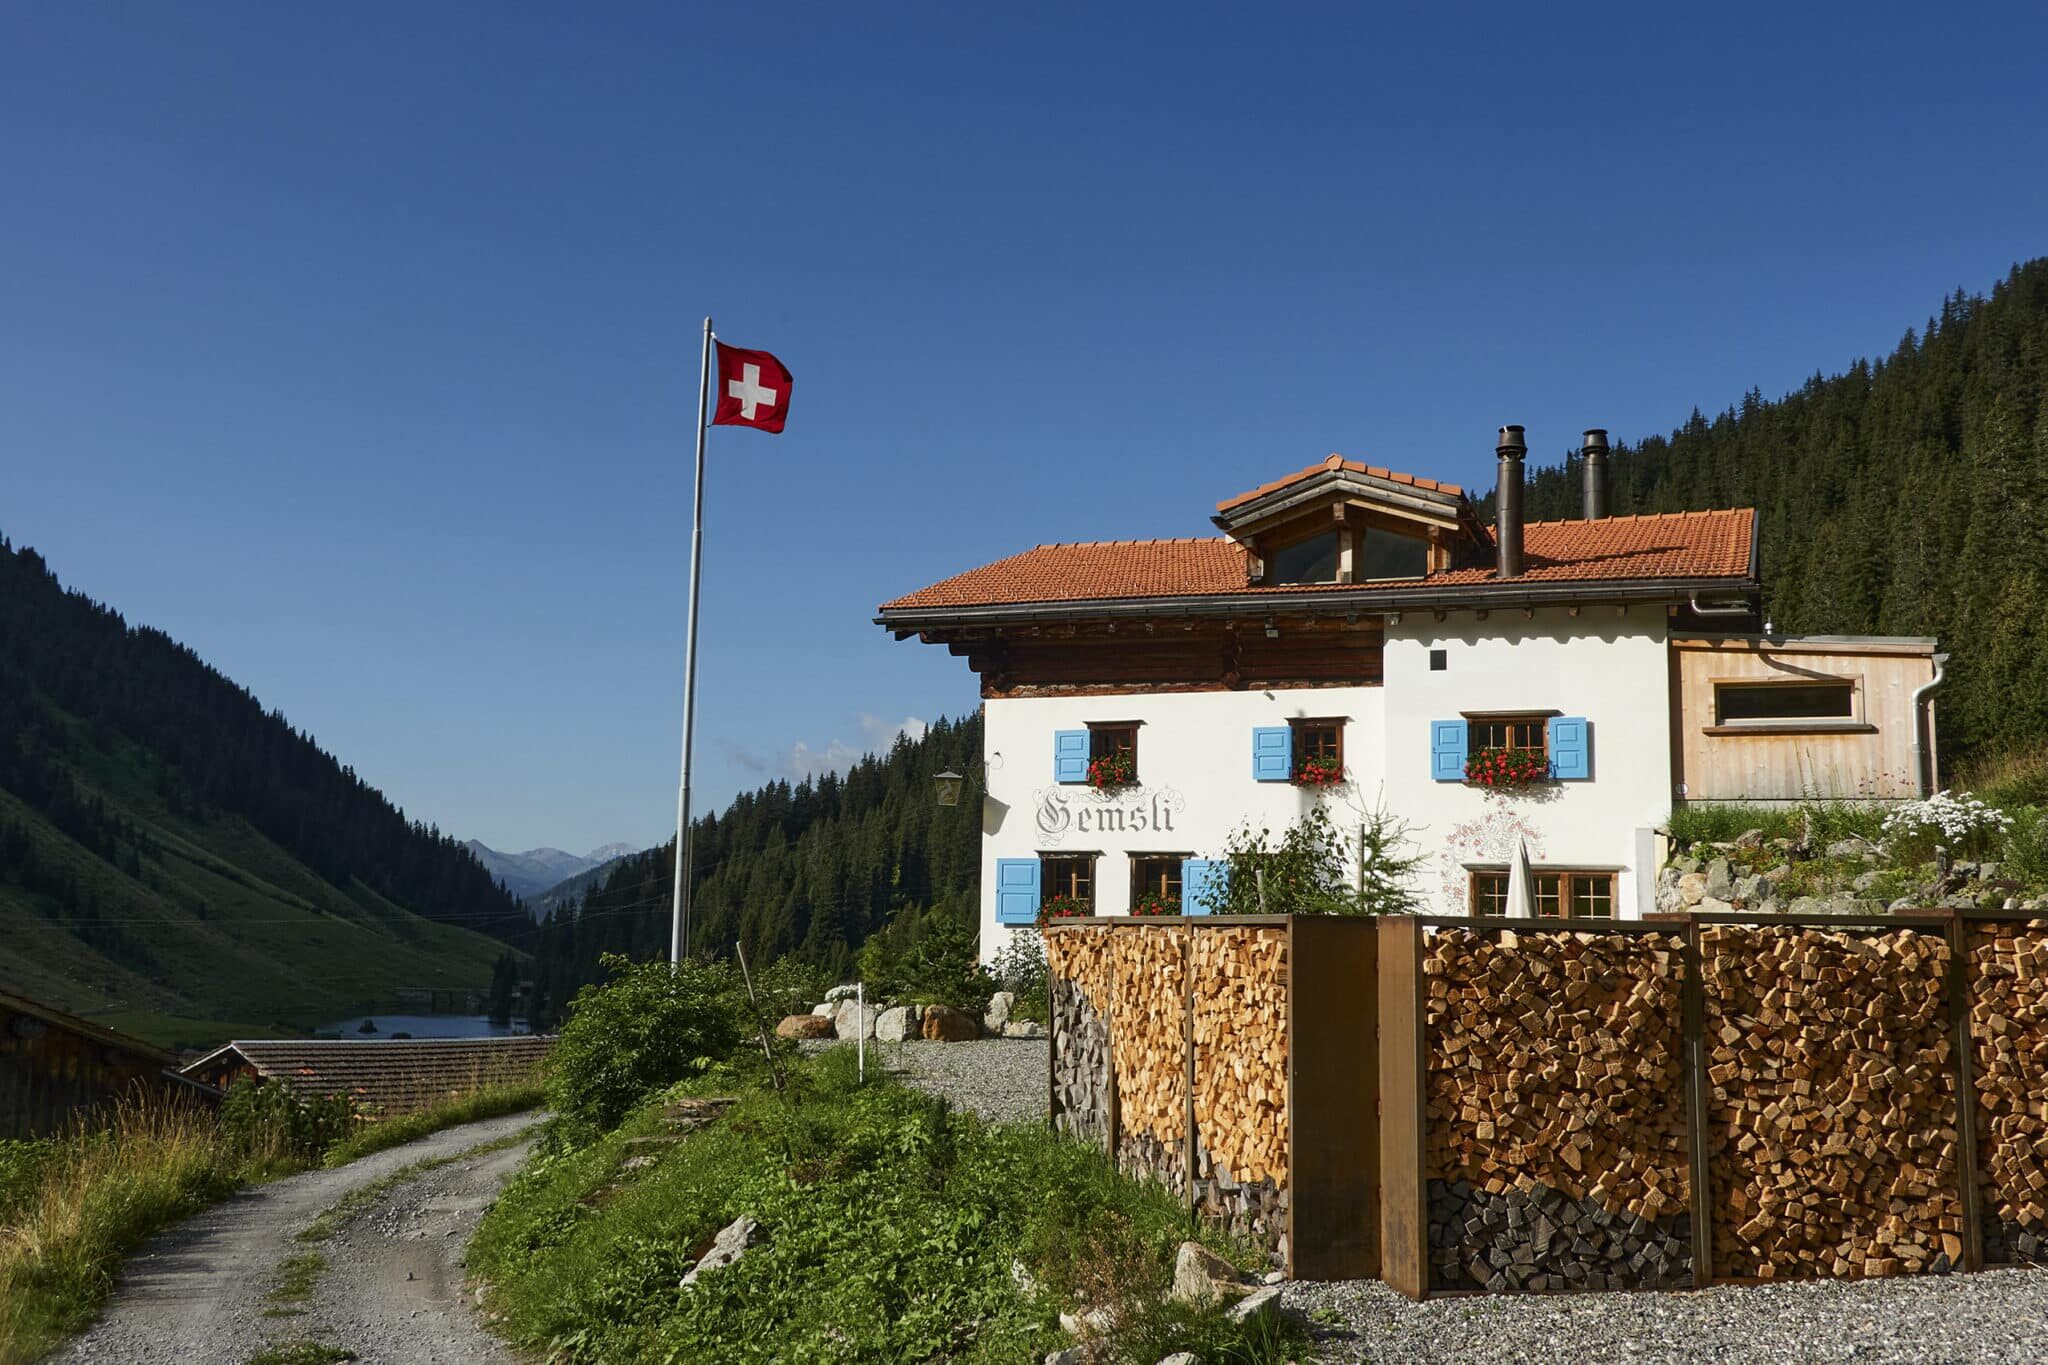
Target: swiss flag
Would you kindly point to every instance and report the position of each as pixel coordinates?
(753, 389)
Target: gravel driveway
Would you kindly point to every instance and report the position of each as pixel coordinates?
(197, 1294)
(1996, 1316)
(1001, 1079)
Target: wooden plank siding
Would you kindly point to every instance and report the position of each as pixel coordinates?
(1171, 656)
(1871, 759)
(54, 1067)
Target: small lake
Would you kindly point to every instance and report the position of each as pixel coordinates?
(422, 1026)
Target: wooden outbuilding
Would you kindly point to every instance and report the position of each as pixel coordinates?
(55, 1066)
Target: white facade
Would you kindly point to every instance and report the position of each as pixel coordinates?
(1607, 665)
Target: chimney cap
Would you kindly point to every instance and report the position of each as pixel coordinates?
(1511, 442)
(1596, 438)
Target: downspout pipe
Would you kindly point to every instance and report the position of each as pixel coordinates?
(1923, 742)
(1725, 609)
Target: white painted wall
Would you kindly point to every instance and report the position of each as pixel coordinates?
(1610, 668)
(1195, 762)
(1194, 769)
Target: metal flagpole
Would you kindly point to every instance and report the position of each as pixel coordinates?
(679, 930)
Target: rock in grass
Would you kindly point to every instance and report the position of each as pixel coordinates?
(855, 1020)
(1070, 1355)
(1200, 1276)
(728, 1246)
(1255, 1307)
(804, 1026)
(1180, 1358)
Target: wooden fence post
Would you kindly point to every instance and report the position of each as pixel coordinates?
(1404, 1187)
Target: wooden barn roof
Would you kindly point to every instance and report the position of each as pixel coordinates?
(11, 1003)
(390, 1074)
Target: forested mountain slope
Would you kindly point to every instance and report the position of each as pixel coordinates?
(174, 859)
(1904, 496)
(809, 869)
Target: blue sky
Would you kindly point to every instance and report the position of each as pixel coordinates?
(356, 346)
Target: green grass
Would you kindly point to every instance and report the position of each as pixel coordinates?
(1830, 821)
(890, 1226)
(303, 1352)
(296, 1276)
(487, 1103)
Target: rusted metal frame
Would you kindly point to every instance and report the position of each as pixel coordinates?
(2000, 914)
(1404, 1189)
(1333, 1168)
(1693, 1011)
(1967, 1151)
(1293, 1097)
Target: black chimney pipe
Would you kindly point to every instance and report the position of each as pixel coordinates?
(1507, 502)
(1594, 454)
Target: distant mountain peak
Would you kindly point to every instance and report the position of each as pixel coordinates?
(535, 870)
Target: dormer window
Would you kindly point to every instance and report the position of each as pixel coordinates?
(1383, 554)
(1309, 561)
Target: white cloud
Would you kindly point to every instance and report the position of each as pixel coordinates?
(800, 760)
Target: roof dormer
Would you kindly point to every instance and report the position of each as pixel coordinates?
(1345, 522)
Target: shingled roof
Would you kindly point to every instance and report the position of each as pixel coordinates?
(1333, 464)
(1684, 546)
(388, 1075)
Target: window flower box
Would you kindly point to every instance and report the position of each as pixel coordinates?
(1118, 768)
(1063, 907)
(1153, 903)
(1318, 770)
(1507, 769)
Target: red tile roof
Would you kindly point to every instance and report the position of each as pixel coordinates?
(1631, 549)
(1335, 462)
(388, 1075)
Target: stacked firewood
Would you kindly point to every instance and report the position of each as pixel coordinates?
(1077, 961)
(1240, 1028)
(1556, 1109)
(2009, 1028)
(1147, 978)
(1831, 1104)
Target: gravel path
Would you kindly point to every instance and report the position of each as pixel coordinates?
(196, 1294)
(1001, 1079)
(1996, 1316)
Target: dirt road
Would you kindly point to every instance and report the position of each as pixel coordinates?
(200, 1293)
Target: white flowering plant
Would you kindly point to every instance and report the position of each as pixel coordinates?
(1960, 822)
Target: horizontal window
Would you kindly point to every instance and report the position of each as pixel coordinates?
(1736, 703)
(1579, 894)
(1531, 732)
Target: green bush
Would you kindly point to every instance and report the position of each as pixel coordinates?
(650, 1025)
(268, 1121)
(1308, 870)
(1020, 969)
(927, 957)
(2025, 855)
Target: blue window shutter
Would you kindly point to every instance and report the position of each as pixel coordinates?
(1017, 898)
(1197, 875)
(1070, 755)
(1571, 748)
(1272, 753)
(1447, 750)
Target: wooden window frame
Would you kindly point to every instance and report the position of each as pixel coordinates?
(1853, 723)
(1103, 737)
(1475, 721)
(1173, 879)
(1296, 753)
(1086, 876)
(1565, 883)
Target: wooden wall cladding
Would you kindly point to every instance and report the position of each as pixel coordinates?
(2008, 970)
(1831, 1108)
(1556, 1151)
(1170, 658)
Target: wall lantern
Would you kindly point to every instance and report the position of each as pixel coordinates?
(947, 787)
